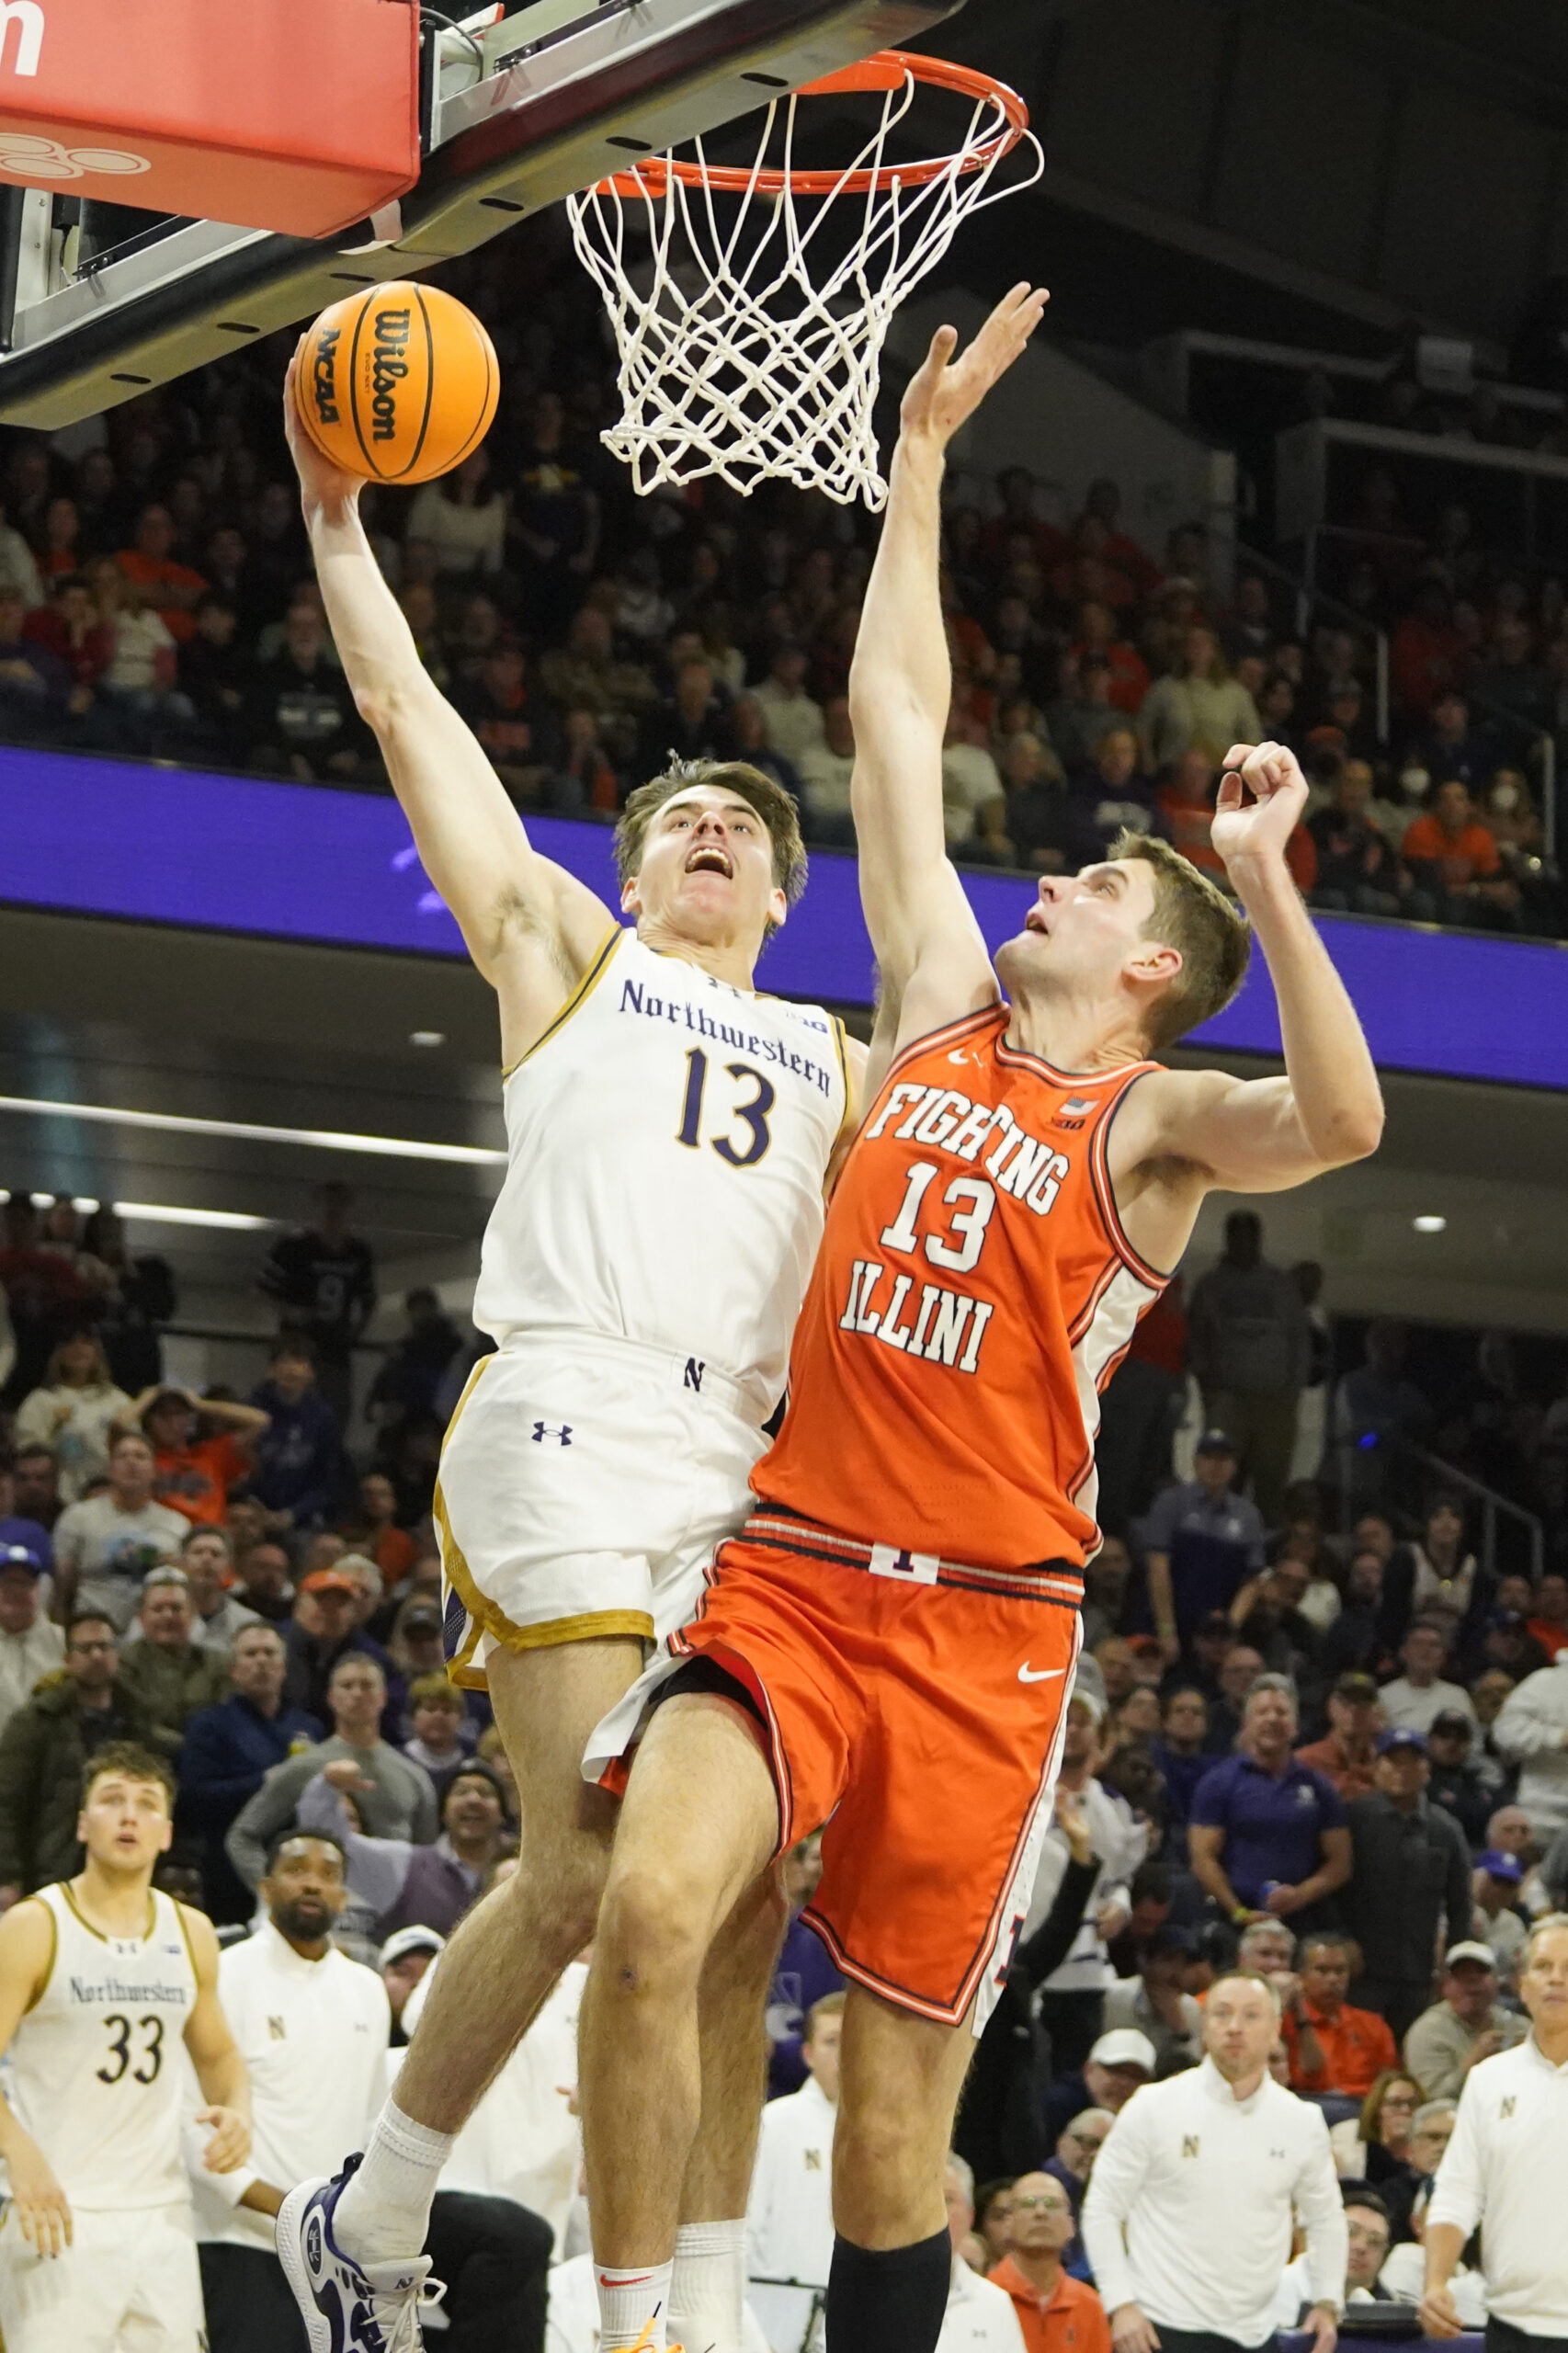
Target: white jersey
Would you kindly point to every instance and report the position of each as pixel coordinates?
(96, 2070)
(666, 1142)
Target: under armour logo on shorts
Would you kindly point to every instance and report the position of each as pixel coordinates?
(542, 1431)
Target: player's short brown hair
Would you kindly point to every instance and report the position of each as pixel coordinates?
(773, 805)
(132, 1763)
(1193, 915)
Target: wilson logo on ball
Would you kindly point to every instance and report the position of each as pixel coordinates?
(397, 384)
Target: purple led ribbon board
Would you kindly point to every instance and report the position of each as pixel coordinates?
(242, 854)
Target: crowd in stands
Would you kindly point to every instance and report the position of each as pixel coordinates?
(1314, 1723)
(156, 598)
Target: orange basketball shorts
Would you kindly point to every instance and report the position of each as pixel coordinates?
(913, 1710)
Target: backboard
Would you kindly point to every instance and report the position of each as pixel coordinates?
(520, 106)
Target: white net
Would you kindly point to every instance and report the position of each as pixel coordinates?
(735, 359)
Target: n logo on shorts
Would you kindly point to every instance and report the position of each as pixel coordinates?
(542, 1430)
(694, 1372)
(1189, 2144)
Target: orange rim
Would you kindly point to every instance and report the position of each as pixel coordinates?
(887, 70)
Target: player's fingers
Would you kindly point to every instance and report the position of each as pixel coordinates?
(1230, 793)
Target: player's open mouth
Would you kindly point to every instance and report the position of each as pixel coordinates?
(1035, 921)
(707, 858)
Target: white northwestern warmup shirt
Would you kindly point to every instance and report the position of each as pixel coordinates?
(1505, 2167)
(1189, 2206)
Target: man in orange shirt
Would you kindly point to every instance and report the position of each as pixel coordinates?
(1345, 1754)
(1057, 2315)
(1333, 2048)
(193, 1474)
(171, 588)
(1449, 850)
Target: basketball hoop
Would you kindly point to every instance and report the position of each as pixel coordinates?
(734, 359)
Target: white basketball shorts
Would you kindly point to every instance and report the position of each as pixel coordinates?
(585, 1485)
(129, 2282)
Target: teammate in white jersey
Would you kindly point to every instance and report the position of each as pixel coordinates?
(669, 1134)
(100, 1980)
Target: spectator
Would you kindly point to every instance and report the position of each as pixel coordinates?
(1357, 871)
(1333, 2047)
(1499, 1920)
(1056, 2312)
(789, 2211)
(1377, 2143)
(73, 1412)
(1345, 1756)
(974, 799)
(1427, 652)
(980, 2316)
(1201, 1542)
(1437, 1577)
(229, 1749)
(216, 1617)
(463, 518)
(312, 2026)
(322, 1279)
(824, 769)
(299, 1456)
(104, 1545)
(215, 673)
(325, 1629)
(141, 1297)
(1181, 1752)
(373, 1531)
(33, 1495)
(266, 1583)
(1455, 1785)
(404, 1959)
(1119, 2064)
(793, 721)
(19, 1532)
(401, 1802)
(31, 1647)
(803, 1974)
(160, 1669)
(512, 723)
(298, 718)
(45, 1749)
(1189, 2213)
(442, 1733)
(1266, 1833)
(408, 1380)
(167, 588)
(1532, 1730)
(1070, 2001)
(192, 1473)
(1198, 708)
(1351, 1646)
(395, 1883)
(1503, 2171)
(1468, 2024)
(35, 685)
(1456, 860)
(1411, 1877)
(1431, 2129)
(1051, 830)
(1250, 1340)
(1155, 2002)
(1412, 1700)
(1548, 1618)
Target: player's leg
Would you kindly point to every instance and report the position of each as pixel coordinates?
(507, 1957)
(700, 1825)
(899, 2087)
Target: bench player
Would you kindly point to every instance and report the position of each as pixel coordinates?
(669, 1131)
(101, 1978)
(896, 1629)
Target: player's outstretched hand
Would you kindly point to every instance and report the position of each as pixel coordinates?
(947, 391)
(229, 2144)
(1263, 797)
(43, 2207)
(322, 483)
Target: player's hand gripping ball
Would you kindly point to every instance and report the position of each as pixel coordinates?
(398, 383)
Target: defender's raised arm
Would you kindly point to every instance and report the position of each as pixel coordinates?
(930, 956)
(531, 929)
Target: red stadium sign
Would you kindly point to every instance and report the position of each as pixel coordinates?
(300, 116)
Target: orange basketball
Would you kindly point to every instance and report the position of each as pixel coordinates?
(398, 383)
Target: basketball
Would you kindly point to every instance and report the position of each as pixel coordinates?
(398, 383)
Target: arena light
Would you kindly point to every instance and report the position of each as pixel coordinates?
(1430, 1224)
(467, 1156)
(166, 1213)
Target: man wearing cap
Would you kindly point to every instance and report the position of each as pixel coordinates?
(19, 1529)
(1266, 1834)
(1201, 1542)
(1056, 2312)
(229, 1750)
(1500, 1921)
(325, 1629)
(1410, 1881)
(404, 1958)
(1333, 2047)
(1154, 2001)
(1119, 2063)
(1347, 1753)
(1456, 1785)
(400, 1803)
(32, 1646)
(1469, 2023)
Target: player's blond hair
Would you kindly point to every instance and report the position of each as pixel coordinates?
(773, 805)
(1193, 915)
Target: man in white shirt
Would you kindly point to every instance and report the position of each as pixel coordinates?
(980, 2317)
(30, 1645)
(207, 1557)
(1532, 1729)
(312, 2026)
(793, 721)
(1505, 2169)
(1415, 1698)
(825, 769)
(789, 2213)
(104, 1545)
(1189, 2213)
(1070, 2000)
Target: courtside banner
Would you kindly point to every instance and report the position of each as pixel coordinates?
(300, 116)
(289, 861)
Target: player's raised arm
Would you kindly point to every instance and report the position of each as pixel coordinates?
(531, 927)
(931, 959)
(1264, 1135)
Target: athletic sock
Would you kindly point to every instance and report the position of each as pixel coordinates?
(634, 2305)
(383, 2211)
(889, 2300)
(707, 2286)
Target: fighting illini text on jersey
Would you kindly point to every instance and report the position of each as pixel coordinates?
(973, 1293)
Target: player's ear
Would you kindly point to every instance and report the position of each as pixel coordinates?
(167, 1840)
(1152, 964)
(777, 909)
(631, 897)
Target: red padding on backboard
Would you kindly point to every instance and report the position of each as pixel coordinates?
(294, 115)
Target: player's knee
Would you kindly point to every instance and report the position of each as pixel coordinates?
(653, 1930)
(556, 1905)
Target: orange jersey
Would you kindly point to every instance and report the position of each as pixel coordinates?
(973, 1293)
